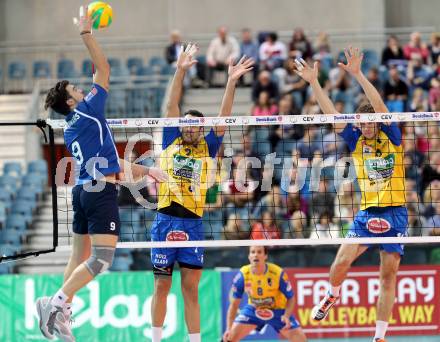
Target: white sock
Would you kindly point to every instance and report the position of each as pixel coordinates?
(194, 337)
(334, 291)
(157, 334)
(381, 329)
(59, 299)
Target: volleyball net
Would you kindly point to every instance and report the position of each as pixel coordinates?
(276, 180)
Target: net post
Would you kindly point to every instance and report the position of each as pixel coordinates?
(54, 187)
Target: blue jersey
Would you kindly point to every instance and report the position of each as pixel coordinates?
(89, 139)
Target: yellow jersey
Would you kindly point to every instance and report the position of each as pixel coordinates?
(188, 167)
(379, 165)
(270, 290)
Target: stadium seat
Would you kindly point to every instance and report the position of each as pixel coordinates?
(167, 70)
(134, 64)
(8, 181)
(36, 180)
(39, 166)
(11, 236)
(17, 70)
(157, 62)
(66, 69)
(16, 222)
(24, 208)
(115, 63)
(3, 212)
(87, 68)
(12, 168)
(6, 197)
(41, 69)
(27, 194)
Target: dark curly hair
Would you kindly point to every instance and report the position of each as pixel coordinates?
(57, 98)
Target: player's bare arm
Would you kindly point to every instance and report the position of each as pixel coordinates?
(184, 62)
(102, 67)
(310, 75)
(131, 173)
(236, 71)
(288, 312)
(353, 66)
(232, 312)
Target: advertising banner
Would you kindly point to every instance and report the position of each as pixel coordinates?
(113, 307)
(416, 310)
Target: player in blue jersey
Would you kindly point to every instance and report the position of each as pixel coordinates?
(94, 198)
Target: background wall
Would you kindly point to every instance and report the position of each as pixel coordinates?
(412, 13)
(44, 20)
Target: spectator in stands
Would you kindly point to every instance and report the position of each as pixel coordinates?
(346, 204)
(434, 92)
(431, 172)
(325, 228)
(265, 83)
(395, 91)
(309, 143)
(416, 47)
(431, 196)
(373, 77)
(265, 228)
(392, 54)
(264, 106)
(419, 101)
(332, 144)
(434, 47)
(296, 209)
(418, 74)
(433, 222)
(322, 44)
(291, 83)
(321, 201)
(299, 46)
(249, 48)
(342, 87)
(272, 53)
(417, 224)
(311, 106)
(220, 50)
(172, 51)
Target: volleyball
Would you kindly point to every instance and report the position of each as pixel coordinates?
(101, 13)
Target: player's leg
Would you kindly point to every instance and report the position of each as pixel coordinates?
(294, 335)
(190, 279)
(345, 257)
(389, 265)
(239, 331)
(162, 286)
(162, 260)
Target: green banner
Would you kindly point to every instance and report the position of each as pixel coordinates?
(113, 307)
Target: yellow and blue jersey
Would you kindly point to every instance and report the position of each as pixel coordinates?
(188, 169)
(379, 165)
(270, 290)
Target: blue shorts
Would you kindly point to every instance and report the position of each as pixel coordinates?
(171, 228)
(381, 222)
(96, 212)
(250, 315)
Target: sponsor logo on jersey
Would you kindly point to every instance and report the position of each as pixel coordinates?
(92, 93)
(378, 225)
(380, 168)
(177, 235)
(264, 314)
(242, 318)
(74, 119)
(269, 281)
(187, 167)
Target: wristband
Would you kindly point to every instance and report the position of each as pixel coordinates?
(85, 32)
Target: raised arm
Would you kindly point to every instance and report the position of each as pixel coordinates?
(102, 73)
(184, 62)
(310, 75)
(353, 66)
(234, 74)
